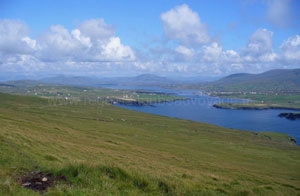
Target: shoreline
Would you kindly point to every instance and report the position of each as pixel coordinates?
(149, 104)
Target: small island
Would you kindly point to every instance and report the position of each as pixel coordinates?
(290, 115)
(144, 102)
(259, 100)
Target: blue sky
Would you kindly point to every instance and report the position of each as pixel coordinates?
(233, 36)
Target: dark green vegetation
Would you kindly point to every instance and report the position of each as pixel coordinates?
(105, 150)
(273, 81)
(73, 93)
(252, 106)
(290, 115)
(261, 101)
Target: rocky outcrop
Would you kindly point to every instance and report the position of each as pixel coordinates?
(129, 102)
(290, 116)
(293, 140)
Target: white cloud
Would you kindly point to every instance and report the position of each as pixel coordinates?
(92, 41)
(260, 41)
(290, 49)
(279, 12)
(260, 47)
(84, 40)
(31, 43)
(96, 29)
(14, 38)
(20, 62)
(183, 24)
(212, 52)
(186, 52)
(231, 55)
(58, 44)
(257, 55)
(93, 46)
(114, 50)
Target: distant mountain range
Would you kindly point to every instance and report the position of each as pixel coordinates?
(71, 80)
(141, 80)
(274, 80)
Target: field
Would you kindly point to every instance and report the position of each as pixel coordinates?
(280, 80)
(261, 101)
(74, 93)
(106, 150)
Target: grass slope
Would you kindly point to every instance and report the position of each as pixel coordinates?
(270, 81)
(76, 93)
(106, 150)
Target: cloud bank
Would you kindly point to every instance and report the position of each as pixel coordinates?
(93, 47)
(198, 52)
(93, 41)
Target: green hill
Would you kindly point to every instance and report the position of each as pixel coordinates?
(104, 150)
(281, 80)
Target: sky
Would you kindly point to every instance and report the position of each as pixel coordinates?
(164, 37)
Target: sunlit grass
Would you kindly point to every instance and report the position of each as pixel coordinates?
(106, 150)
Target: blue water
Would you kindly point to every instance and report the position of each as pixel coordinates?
(200, 108)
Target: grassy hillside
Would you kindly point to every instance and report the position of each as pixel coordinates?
(106, 150)
(270, 81)
(275, 89)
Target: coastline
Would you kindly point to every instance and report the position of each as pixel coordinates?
(141, 103)
(253, 106)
